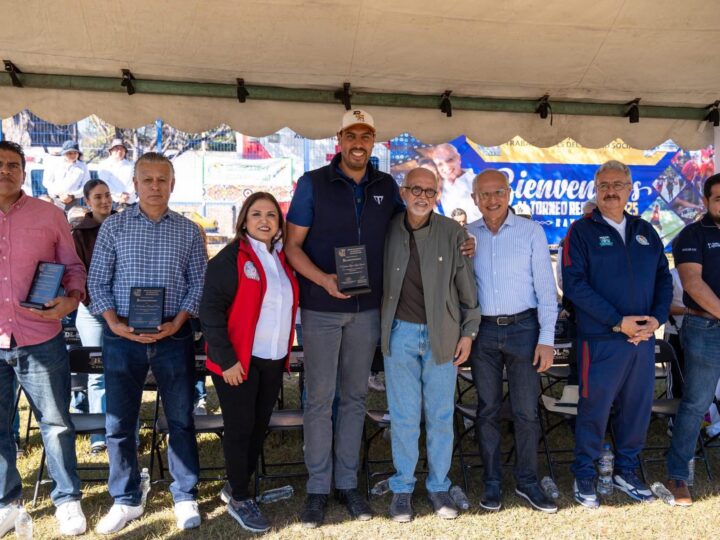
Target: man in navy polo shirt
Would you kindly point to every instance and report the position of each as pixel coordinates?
(616, 275)
(697, 256)
(345, 203)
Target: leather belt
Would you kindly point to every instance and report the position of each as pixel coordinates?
(506, 320)
(701, 313)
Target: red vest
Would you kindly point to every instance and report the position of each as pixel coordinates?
(244, 312)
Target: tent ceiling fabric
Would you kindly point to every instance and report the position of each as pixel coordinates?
(589, 50)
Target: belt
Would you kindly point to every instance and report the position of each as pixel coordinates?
(701, 313)
(506, 320)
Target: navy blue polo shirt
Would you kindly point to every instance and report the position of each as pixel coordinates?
(699, 243)
(301, 211)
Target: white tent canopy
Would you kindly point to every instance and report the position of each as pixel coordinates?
(662, 51)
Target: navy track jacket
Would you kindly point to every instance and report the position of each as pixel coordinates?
(607, 279)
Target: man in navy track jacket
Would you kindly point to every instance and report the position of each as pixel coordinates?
(616, 275)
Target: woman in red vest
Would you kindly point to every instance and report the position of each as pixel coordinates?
(247, 314)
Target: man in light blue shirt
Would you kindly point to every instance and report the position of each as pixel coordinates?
(518, 302)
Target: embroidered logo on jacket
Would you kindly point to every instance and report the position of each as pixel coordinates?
(642, 240)
(378, 198)
(250, 271)
(606, 241)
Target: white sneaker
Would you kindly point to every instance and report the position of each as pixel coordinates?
(70, 518)
(187, 515)
(7, 517)
(200, 408)
(118, 516)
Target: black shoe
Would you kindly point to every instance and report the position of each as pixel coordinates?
(537, 499)
(491, 498)
(401, 509)
(442, 504)
(357, 505)
(313, 514)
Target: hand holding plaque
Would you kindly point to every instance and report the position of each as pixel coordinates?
(146, 309)
(45, 285)
(352, 270)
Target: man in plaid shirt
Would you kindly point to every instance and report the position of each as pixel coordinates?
(149, 245)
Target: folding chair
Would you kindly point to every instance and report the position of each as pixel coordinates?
(564, 409)
(282, 420)
(666, 408)
(87, 360)
(205, 423)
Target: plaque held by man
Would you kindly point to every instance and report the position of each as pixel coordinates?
(45, 285)
(352, 270)
(146, 309)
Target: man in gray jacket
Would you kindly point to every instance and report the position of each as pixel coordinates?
(429, 318)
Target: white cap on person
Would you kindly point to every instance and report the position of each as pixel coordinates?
(356, 117)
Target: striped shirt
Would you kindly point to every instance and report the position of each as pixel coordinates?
(513, 272)
(133, 251)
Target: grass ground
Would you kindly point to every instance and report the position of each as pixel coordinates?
(618, 518)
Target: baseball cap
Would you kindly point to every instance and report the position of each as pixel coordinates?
(356, 117)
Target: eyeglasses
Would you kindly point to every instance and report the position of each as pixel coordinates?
(615, 186)
(417, 191)
(499, 193)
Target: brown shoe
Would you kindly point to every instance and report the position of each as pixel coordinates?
(680, 491)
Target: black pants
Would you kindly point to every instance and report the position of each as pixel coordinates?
(246, 411)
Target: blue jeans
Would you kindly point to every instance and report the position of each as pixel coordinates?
(415, 383)
(512, 347)
(44, 373)
(126, 365)
(90, 329)
(701, 343)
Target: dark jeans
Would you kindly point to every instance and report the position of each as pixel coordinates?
(513, 347)
(701, 341)
(126, 365)
(44, 373)
(246, 411)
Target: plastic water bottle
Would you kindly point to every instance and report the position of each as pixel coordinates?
(550, 488)
(606, 464)
(277, 494)
(144, 485)
(663, 493)
(23, 525)
(461, 500)
(691, 472)
(381, 488)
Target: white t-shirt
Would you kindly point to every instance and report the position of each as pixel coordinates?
(677, 301)
(619, 227)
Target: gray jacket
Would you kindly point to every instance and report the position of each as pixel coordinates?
(451, 300)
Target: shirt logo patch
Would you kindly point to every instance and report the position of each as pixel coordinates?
(713, 245)
(642, 240)
(250, 271)
(378, 198)
(606, 241)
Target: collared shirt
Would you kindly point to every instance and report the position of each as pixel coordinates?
(118, 175)
(64, 177)
(513, 272)
(133, 251)
(699, 243)
(272, 332)
(32, 231)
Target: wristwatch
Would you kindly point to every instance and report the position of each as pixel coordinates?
(617, 328)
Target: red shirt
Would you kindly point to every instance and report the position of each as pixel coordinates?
(33, 231)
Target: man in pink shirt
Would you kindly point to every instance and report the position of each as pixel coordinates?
(32, 347)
